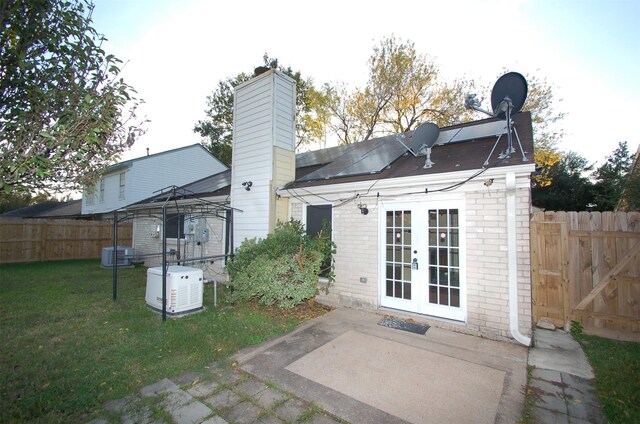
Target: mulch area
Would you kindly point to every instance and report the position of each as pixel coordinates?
(303, 312)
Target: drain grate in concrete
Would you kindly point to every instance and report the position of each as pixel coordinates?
(401, 324)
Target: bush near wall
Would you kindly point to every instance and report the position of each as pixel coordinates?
(281, 269)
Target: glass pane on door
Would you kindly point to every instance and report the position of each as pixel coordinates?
(398, 257)
(444, 263)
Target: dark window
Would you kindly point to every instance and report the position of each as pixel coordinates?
(175, 222)
(317, 215)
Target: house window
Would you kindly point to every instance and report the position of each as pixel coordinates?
(122, 181)
(174, 226)
(101, 199)
(317, 216)
(89, 197)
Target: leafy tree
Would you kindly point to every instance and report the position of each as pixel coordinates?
(61, 115)
(570, 189)
(17, 200)
(390, 67)
(540, 102)
(612, 178)
(311, 109)
(630, 198)
(546, 135)
(341, 122)
(217, 128)
(403, 90)
(545, 161)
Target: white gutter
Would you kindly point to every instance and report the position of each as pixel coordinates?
(513, 260)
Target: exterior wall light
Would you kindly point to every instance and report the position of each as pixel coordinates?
(247, 185)
(363, 209)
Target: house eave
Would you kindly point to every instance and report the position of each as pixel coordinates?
(117, 168)
(403, 185)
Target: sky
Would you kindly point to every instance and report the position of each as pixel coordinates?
(176, 51)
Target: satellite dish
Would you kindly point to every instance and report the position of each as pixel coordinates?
(510, 91)
(507, 98)
(424, 136)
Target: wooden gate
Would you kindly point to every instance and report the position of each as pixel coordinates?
(586, 267)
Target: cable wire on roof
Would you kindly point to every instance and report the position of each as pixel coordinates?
(366, 194)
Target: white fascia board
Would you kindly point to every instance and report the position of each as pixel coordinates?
(412, 183)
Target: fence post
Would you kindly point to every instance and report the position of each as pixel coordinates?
(115, 255)
(533, 241)
(564, 261)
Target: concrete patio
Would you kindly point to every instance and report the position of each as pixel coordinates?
(344, 367)
(360, 371)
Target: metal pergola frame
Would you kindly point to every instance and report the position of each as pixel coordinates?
(183, 202)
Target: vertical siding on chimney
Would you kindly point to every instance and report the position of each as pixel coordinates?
(263, 152)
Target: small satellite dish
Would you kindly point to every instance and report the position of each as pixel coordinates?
(424, 136)
(510, 88)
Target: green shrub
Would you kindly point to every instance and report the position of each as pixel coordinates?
(281, 269)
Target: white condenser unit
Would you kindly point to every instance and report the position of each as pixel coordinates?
(185, 286)
(125, 255)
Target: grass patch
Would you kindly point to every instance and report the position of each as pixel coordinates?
(67, 347)
(616, 366)
(529, 400)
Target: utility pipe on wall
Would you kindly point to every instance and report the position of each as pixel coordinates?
(512, 258)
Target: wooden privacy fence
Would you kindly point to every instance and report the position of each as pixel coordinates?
(586, 267)
(33, 240)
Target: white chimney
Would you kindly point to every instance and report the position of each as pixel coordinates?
(263, 153)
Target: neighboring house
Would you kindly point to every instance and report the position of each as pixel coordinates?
(130, 181)
(192, 209)
(449, 242)
(50, 209)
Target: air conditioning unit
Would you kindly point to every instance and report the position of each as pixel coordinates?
(184, 289)
(125, 256)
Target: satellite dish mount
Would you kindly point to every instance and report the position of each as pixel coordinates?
(507, 98)
(422, 140)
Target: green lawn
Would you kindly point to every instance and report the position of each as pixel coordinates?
(616, 366)
(67, 346)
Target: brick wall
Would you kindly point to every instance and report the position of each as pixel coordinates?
(146, 242)
(487, 279)
(356, 236)
(487, 262)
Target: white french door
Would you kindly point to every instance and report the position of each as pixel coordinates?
(422, 257)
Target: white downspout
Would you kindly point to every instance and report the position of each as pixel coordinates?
(512, 258)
